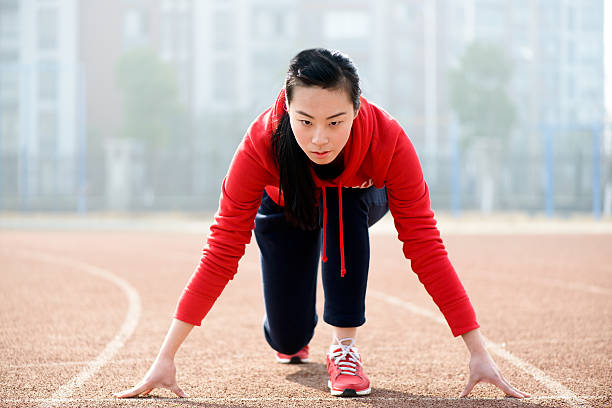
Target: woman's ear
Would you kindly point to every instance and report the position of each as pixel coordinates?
(356, 113)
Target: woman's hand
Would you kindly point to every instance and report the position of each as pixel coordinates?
(483, 368)
(162, 374)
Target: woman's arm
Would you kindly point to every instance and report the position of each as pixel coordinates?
(414, 220)
(411, 209)
(177, 333)
(483, 368)
(162, 373)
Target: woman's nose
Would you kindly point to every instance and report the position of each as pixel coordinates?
(319, 137)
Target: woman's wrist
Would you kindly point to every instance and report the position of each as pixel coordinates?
(165, 355)
(177, 333)
(474, 342)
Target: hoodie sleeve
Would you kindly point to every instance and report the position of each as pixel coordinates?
(240, 198)
(414, 220)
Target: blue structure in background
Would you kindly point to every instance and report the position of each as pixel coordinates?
(549, 170)
(26, 125)
(548, 131)
(455, 169)
(597, 129)
(82, 145)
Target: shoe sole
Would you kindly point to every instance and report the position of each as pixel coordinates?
(349, 392)
(292, 360)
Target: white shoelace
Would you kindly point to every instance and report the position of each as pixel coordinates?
(347, 357)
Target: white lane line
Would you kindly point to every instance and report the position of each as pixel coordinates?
(563, 392)
(62, 395)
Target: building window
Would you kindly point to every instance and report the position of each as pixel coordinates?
(47, 28)
(550, 15)
(47, 131)
(9, 26)
(224, 30)
(9, 129)
(592, 19)
(571, 18)
(175, 30)
(269, 24)
(47, 80)
(134, 28)
(570, 87)
(552, 48)
(339, 25)
(591, 49)
(264, 25)
(224, 80)
(9, 84)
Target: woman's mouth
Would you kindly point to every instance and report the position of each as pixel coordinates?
(320, 155)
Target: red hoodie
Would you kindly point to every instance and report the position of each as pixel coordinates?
(378, 152)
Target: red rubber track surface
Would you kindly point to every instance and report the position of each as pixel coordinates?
(545, 299)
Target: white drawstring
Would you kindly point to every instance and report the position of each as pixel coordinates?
(347, 357)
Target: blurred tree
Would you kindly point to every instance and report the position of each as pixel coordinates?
(156, 132)
(478, 95)
(151, 110)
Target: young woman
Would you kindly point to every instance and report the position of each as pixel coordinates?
(313, 172)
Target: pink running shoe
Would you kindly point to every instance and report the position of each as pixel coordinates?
(299, 357)
(346, 377)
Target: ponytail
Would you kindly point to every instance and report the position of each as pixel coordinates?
(299, 190)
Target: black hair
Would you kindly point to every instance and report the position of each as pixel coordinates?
(328, 69)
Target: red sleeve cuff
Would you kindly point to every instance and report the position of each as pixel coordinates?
(192, 308)
(459, 330)
(461, 318)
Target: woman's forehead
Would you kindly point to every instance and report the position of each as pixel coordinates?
(317, 101)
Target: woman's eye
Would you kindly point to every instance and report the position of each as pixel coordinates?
(305, 122)
(335, 123)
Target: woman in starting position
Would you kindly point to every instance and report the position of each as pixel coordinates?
(312, 173)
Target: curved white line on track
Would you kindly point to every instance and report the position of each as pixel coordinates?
(540, 376)
(62, 395)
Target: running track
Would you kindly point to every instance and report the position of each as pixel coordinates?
(84, 313)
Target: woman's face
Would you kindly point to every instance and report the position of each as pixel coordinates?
(321, 120)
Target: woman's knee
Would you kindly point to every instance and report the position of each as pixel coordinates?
(289, 337)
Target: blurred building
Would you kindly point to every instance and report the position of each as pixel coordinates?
(386, 40)
(39, 113)
(60, 104)
(241, 52)
(556, 49)
(108, 31)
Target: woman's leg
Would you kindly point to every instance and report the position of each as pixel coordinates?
(289, 263)
(345, 296)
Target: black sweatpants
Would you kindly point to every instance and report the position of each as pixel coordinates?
(289, 263)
